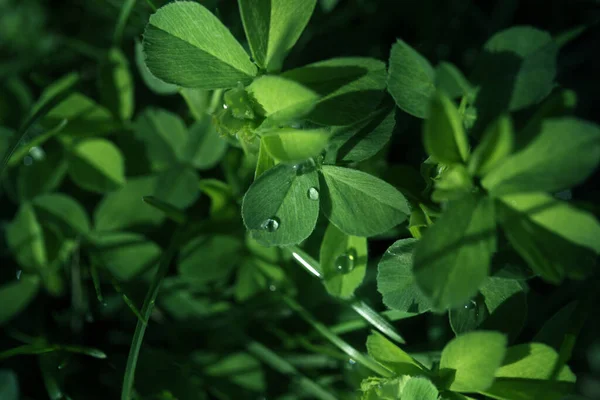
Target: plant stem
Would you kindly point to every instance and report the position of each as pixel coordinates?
(279, 364)
(361, 308)
(147, 309)
(122, 21)
(336, 340)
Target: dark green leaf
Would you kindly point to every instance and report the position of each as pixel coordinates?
(64, 212)
(187, 45)
(15, 297)
(496, 144)
(452, 259)
(360, 204)
(153, 83)
(449, 79)
(116, 85)
(282, 205)
(9, 385)
(205, 147)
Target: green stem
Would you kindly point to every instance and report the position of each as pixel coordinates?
(361, 308)
(279, 364)
(122, 21)
(336, 340)
(140, 329)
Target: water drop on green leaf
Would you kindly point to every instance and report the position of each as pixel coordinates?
(313, 193)
(271, 224)
(345, 262)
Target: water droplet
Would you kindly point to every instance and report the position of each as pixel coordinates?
(345, 262)
(313, 193)
(37, 153)
(272, 288)
(89, 317)
(62, 365)
(351, 362)
(470, 305)
(28, 160)
(305, 167)
(19, 272)
(225, 106)
(271, 224)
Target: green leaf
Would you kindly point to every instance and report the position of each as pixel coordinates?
(116, 84)
(264, 162)
(9, 385)
(452, 259)
(532, 361)
(556, 239)
(64, 212)
(395, 279)
(516, 69)
(153, 83)
(449, 79)
(198, 102)
(295, 145)
(564, 154)
(188, 46)
(360, 204)
(273, 27)
(473, 359)
(25, 238)
(391, 356)
(280, 207)
(124, 254)
(84, 117)
(178, 186)
(281, 100)
(528, 389)
(123, 208)
(501, 306)
(419, 389)
(97, 165)
(256, 275)
(443, 133)
(343, 260)
(209, 259)
(363, 139)
(496, 144)
(15, 297)
(164, 136)
(170, 211)
(411, 79)
(350, 88)
(223, 204)
(44, 174)
(205, 147)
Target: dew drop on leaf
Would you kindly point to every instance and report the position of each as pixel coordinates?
(345, 262)
(19, 272)
(313, 193)
(272, 288)
(470, 305)
(270, 225)
(27, 160)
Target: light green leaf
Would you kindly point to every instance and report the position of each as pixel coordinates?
(295, 145)
(281, 207)
(188, 46)
(395, 279)
(473, 359)
(419, 389)
(264, 162)
(273, 27)
(564, 154)
(97, 165)
(532, 361)
(123, 208)
(452, 259)
(116, 84)
(496, 144)
(25, 239)
(350, 88)
(411, 79)
(198, 102)
(556, 239)
(124, 254)
(223, 205)
(343, 260)
(443, 133)
(391, 356)
(516, 69)
(15, 297)
(205, 147)
(153, 83)
(164, 136)
(449, 79)
(83, 115)
(363, 139)
(64, 212)
(209, 259)
(360, 204)
(281, 100)
(528, 389)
